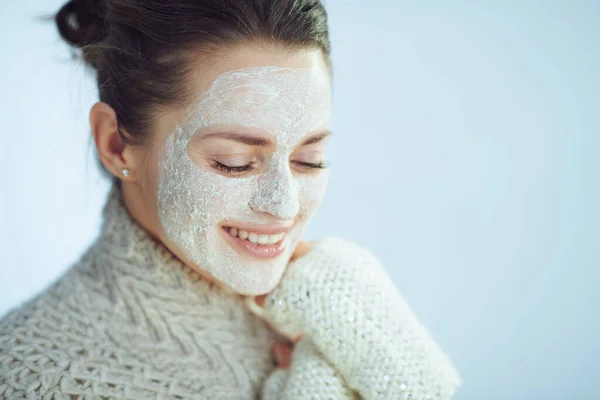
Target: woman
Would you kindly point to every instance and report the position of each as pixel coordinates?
(212, 120)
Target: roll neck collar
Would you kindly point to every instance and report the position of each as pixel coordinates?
(126, 249)
(146, 284)
(139, 254)
(127, 238)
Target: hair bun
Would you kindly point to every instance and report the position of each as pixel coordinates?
(82, 22)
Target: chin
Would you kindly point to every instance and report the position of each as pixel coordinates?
(253, 288)
(235, 269)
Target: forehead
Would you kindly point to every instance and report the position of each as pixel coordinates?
(279, 100)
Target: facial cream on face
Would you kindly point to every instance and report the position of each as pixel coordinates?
(194, 203)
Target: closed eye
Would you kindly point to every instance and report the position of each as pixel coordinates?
(233, 170)
(306, 165)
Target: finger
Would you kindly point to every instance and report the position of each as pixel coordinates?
(283, 354)
(260, 300)
(297, 338)
(301, 249)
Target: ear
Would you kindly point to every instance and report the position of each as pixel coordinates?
(113, 151)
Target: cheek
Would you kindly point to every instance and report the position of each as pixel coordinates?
(312, 190)
(195, 198)
(214, 197)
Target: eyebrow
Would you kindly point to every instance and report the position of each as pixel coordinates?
(257, 141)
(316, 138)
(241, 138)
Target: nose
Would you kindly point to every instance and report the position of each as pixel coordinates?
(277, 195)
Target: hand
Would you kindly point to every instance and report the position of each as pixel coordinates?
(283, 351)
(340, 296)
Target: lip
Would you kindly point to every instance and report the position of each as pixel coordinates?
(248, 249)
(264, 229)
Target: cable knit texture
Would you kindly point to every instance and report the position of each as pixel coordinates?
(130, 321)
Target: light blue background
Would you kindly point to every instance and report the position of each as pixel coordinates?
(465, 155)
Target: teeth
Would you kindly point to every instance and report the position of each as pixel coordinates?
(275, 238)
(256, 238)
(253, 237)
(262, 239)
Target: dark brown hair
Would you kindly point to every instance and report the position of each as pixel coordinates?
(142, 50)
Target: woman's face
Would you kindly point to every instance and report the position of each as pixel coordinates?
(229, 183)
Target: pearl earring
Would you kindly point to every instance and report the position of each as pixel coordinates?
(125, 171)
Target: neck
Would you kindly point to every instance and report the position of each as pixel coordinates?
(132, 201)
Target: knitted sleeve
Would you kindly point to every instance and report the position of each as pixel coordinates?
(343, 301)
(309, 376)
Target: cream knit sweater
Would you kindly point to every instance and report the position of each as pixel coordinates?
(130, 321)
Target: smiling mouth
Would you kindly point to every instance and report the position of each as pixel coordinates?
(255, 237)
(255, 244)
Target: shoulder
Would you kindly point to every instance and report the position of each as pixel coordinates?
(29, 358)
(51, 304)
(39, 338)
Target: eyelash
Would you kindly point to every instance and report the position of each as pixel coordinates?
(321, 165)
(232, 170)
(249, 167)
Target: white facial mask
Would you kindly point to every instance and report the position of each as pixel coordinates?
(285, 103)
